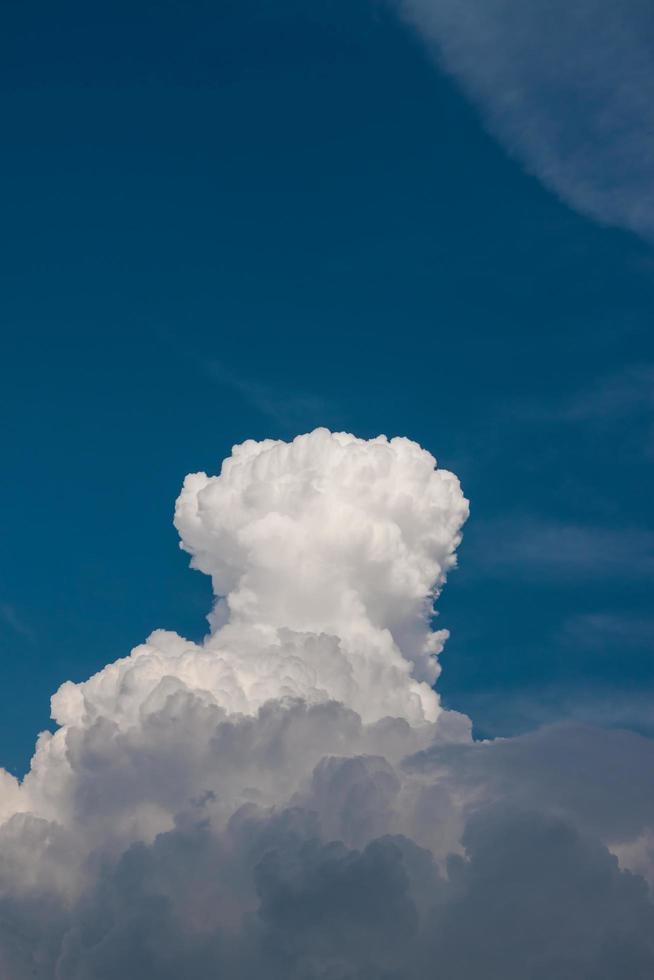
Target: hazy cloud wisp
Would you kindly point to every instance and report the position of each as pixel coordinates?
(567, 87)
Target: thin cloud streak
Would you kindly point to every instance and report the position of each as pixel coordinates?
(544, 548)
(11, 618)
(606, 630)
(288, 410)
(623, 396)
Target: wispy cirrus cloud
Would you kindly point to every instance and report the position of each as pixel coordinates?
(11, 618)
(620, 397)
(609, 632)
(283, 404)
(568, 88)
(286, 408)
(541, 548)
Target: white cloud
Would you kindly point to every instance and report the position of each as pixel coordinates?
(568, 88)
(289, 799)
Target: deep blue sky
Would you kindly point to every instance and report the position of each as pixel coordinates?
(224, 220)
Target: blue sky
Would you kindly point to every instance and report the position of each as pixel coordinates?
(245, 219)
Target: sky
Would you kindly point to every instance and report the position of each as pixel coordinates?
(236, 220)
(246, 220)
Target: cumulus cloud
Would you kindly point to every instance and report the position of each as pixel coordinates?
(289, 799)
(567, 87)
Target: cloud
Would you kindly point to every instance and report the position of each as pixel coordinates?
(603, 631)
(289, 798)
(586, 918)
(583, 774)
(285, 409)
(626, 395)
(544, 548)
(567, 88)
(11, 618)
(279, 404)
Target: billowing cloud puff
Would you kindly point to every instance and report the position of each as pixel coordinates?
(289, 799)
(330, 535)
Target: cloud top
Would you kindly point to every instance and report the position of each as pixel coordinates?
(328, 534)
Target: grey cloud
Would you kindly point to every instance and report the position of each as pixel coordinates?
(537, 900)
(334, 912)
(533, 897)
(601, 780)
(568, 88)
(323, 889)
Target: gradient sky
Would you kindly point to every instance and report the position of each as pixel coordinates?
(245, 219)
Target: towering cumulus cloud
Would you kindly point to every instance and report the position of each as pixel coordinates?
(289, 799)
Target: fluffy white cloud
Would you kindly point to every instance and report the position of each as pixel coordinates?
(330, 535)
(289, 799)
